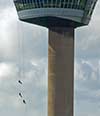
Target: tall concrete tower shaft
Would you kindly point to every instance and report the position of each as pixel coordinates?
(60, 71)
(60, 17)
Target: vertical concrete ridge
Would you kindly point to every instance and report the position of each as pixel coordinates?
(60, 71)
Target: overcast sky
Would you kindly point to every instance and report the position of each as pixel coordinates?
(34, 71)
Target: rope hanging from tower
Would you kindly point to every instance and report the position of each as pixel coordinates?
(21, 62)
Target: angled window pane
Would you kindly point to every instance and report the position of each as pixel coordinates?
(28, 4)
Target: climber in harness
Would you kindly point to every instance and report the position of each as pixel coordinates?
(20, 82)
(20, 95)
(24, 101)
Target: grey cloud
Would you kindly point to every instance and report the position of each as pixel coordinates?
(87, 87)
(88, 38)
(88, 75)
(14, 33)
(5, 4)
(34, 89)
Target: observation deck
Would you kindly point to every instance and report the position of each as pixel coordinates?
(52, 13)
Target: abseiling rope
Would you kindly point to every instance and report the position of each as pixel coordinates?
(21, 61)
(19, 52)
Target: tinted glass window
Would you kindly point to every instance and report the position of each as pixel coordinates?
(27, 4)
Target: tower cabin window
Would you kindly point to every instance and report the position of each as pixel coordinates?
(28, 4)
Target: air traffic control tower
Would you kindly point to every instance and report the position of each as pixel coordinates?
(61, 17)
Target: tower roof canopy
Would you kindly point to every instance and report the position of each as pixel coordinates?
(64, 12)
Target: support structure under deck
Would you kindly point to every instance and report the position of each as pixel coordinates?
(60, 71)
